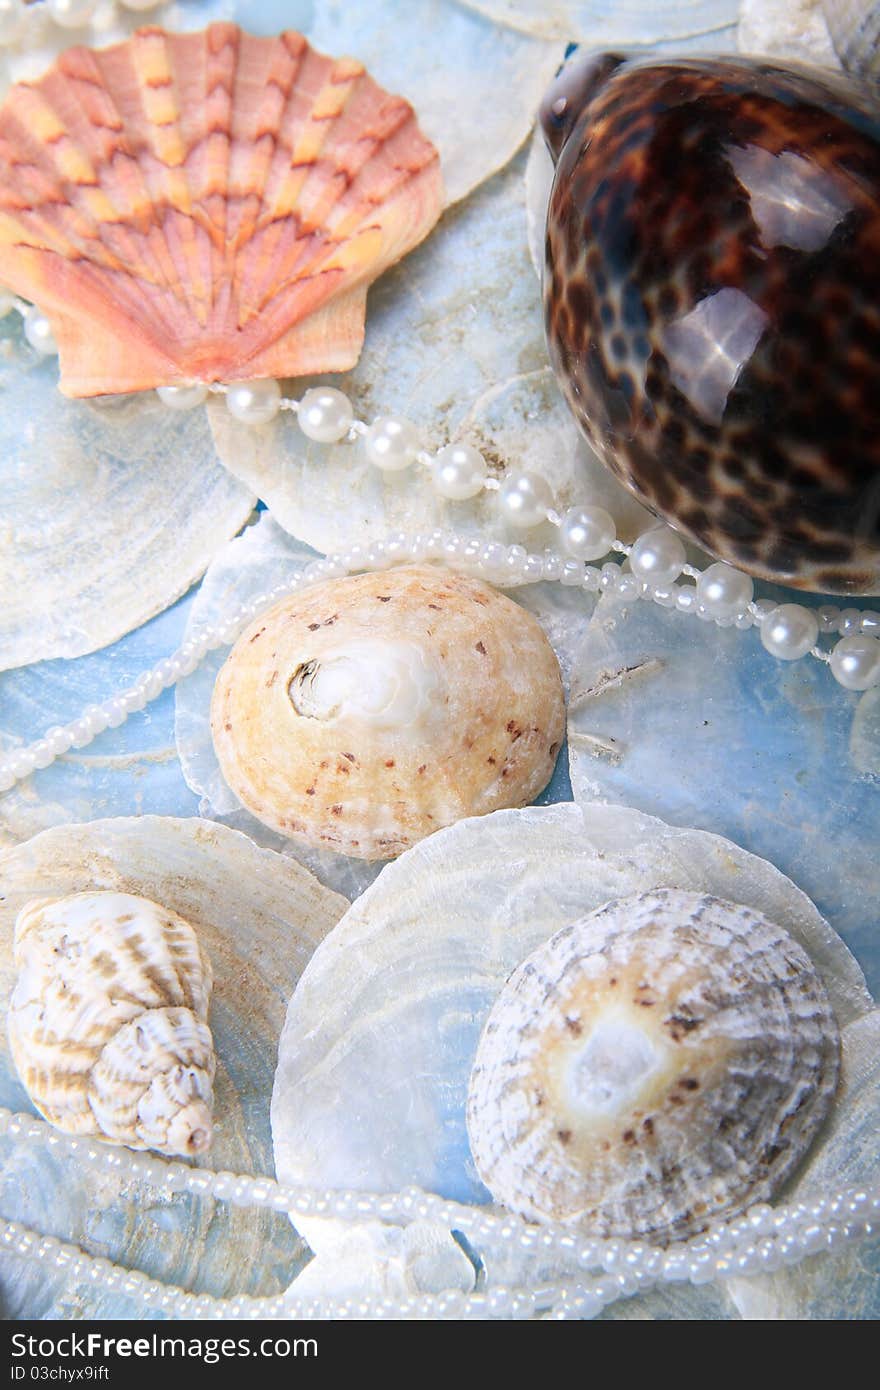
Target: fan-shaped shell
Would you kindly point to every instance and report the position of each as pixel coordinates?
(667, 1059)
(367, 712)
(207, 206)
(108, 1020)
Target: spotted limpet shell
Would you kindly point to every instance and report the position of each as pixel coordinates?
(664, 1061)
(368, 712)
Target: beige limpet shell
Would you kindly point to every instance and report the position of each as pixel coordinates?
(108, 1021)
(664, 1061)
(365, 713)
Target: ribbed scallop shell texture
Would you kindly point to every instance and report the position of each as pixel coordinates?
(108, 1021)
(207, 206)
(666, 1060)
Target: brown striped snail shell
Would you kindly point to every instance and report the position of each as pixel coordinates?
(712, 300)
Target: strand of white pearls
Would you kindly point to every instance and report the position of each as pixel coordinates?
(458, 472)
(20, 23)
(505, 566)
(760, 1241)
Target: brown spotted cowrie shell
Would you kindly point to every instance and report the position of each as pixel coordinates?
(712, 300)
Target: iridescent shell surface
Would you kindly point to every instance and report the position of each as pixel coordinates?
(711, 292)
(208, 206)
(663, 1062)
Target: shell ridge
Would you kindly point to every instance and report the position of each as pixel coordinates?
(267, 71)
(81, 97)
(47, 196)
(307, 138)
(115, 71)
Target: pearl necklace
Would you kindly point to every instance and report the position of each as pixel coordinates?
(760, 1241)
(458, 472)
(510, 566)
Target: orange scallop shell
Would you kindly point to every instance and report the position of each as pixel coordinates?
(207, 207)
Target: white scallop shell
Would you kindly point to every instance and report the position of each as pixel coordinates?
(665, 1061)
(854, 26)
(597, 22)
(258, 916)
(374, 1060)
(73, 479)
(702, 726)
(108, 1021)
(795, 29)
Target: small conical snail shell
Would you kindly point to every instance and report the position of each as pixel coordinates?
(666, 1060)
(367, 712)
(107, 1021)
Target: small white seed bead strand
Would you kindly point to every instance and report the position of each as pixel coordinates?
(720, 594)
(856, 665)
(760, 1240)
(657, 559)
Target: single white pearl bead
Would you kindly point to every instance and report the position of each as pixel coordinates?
(628, 587)
(587, 533)
(458, 472)
(572, 573)
(789, 631)
(182, 397)
(524, 499)
(657, 557)
(552, 563)
(869, 625)
(7, 298)
(38, 332)
(325, 414)
(609, 576)
(391, 443)
(855, 662)
(848, 624)
(72, 14)
(828, 617)
(254, 402)
(724, 590)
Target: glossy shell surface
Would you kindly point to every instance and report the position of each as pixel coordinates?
(108, 1021)
(663, 1062)
(367, 712)
(711, 293)
(207, 206)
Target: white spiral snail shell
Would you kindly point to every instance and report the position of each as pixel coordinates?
(108, 1021)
